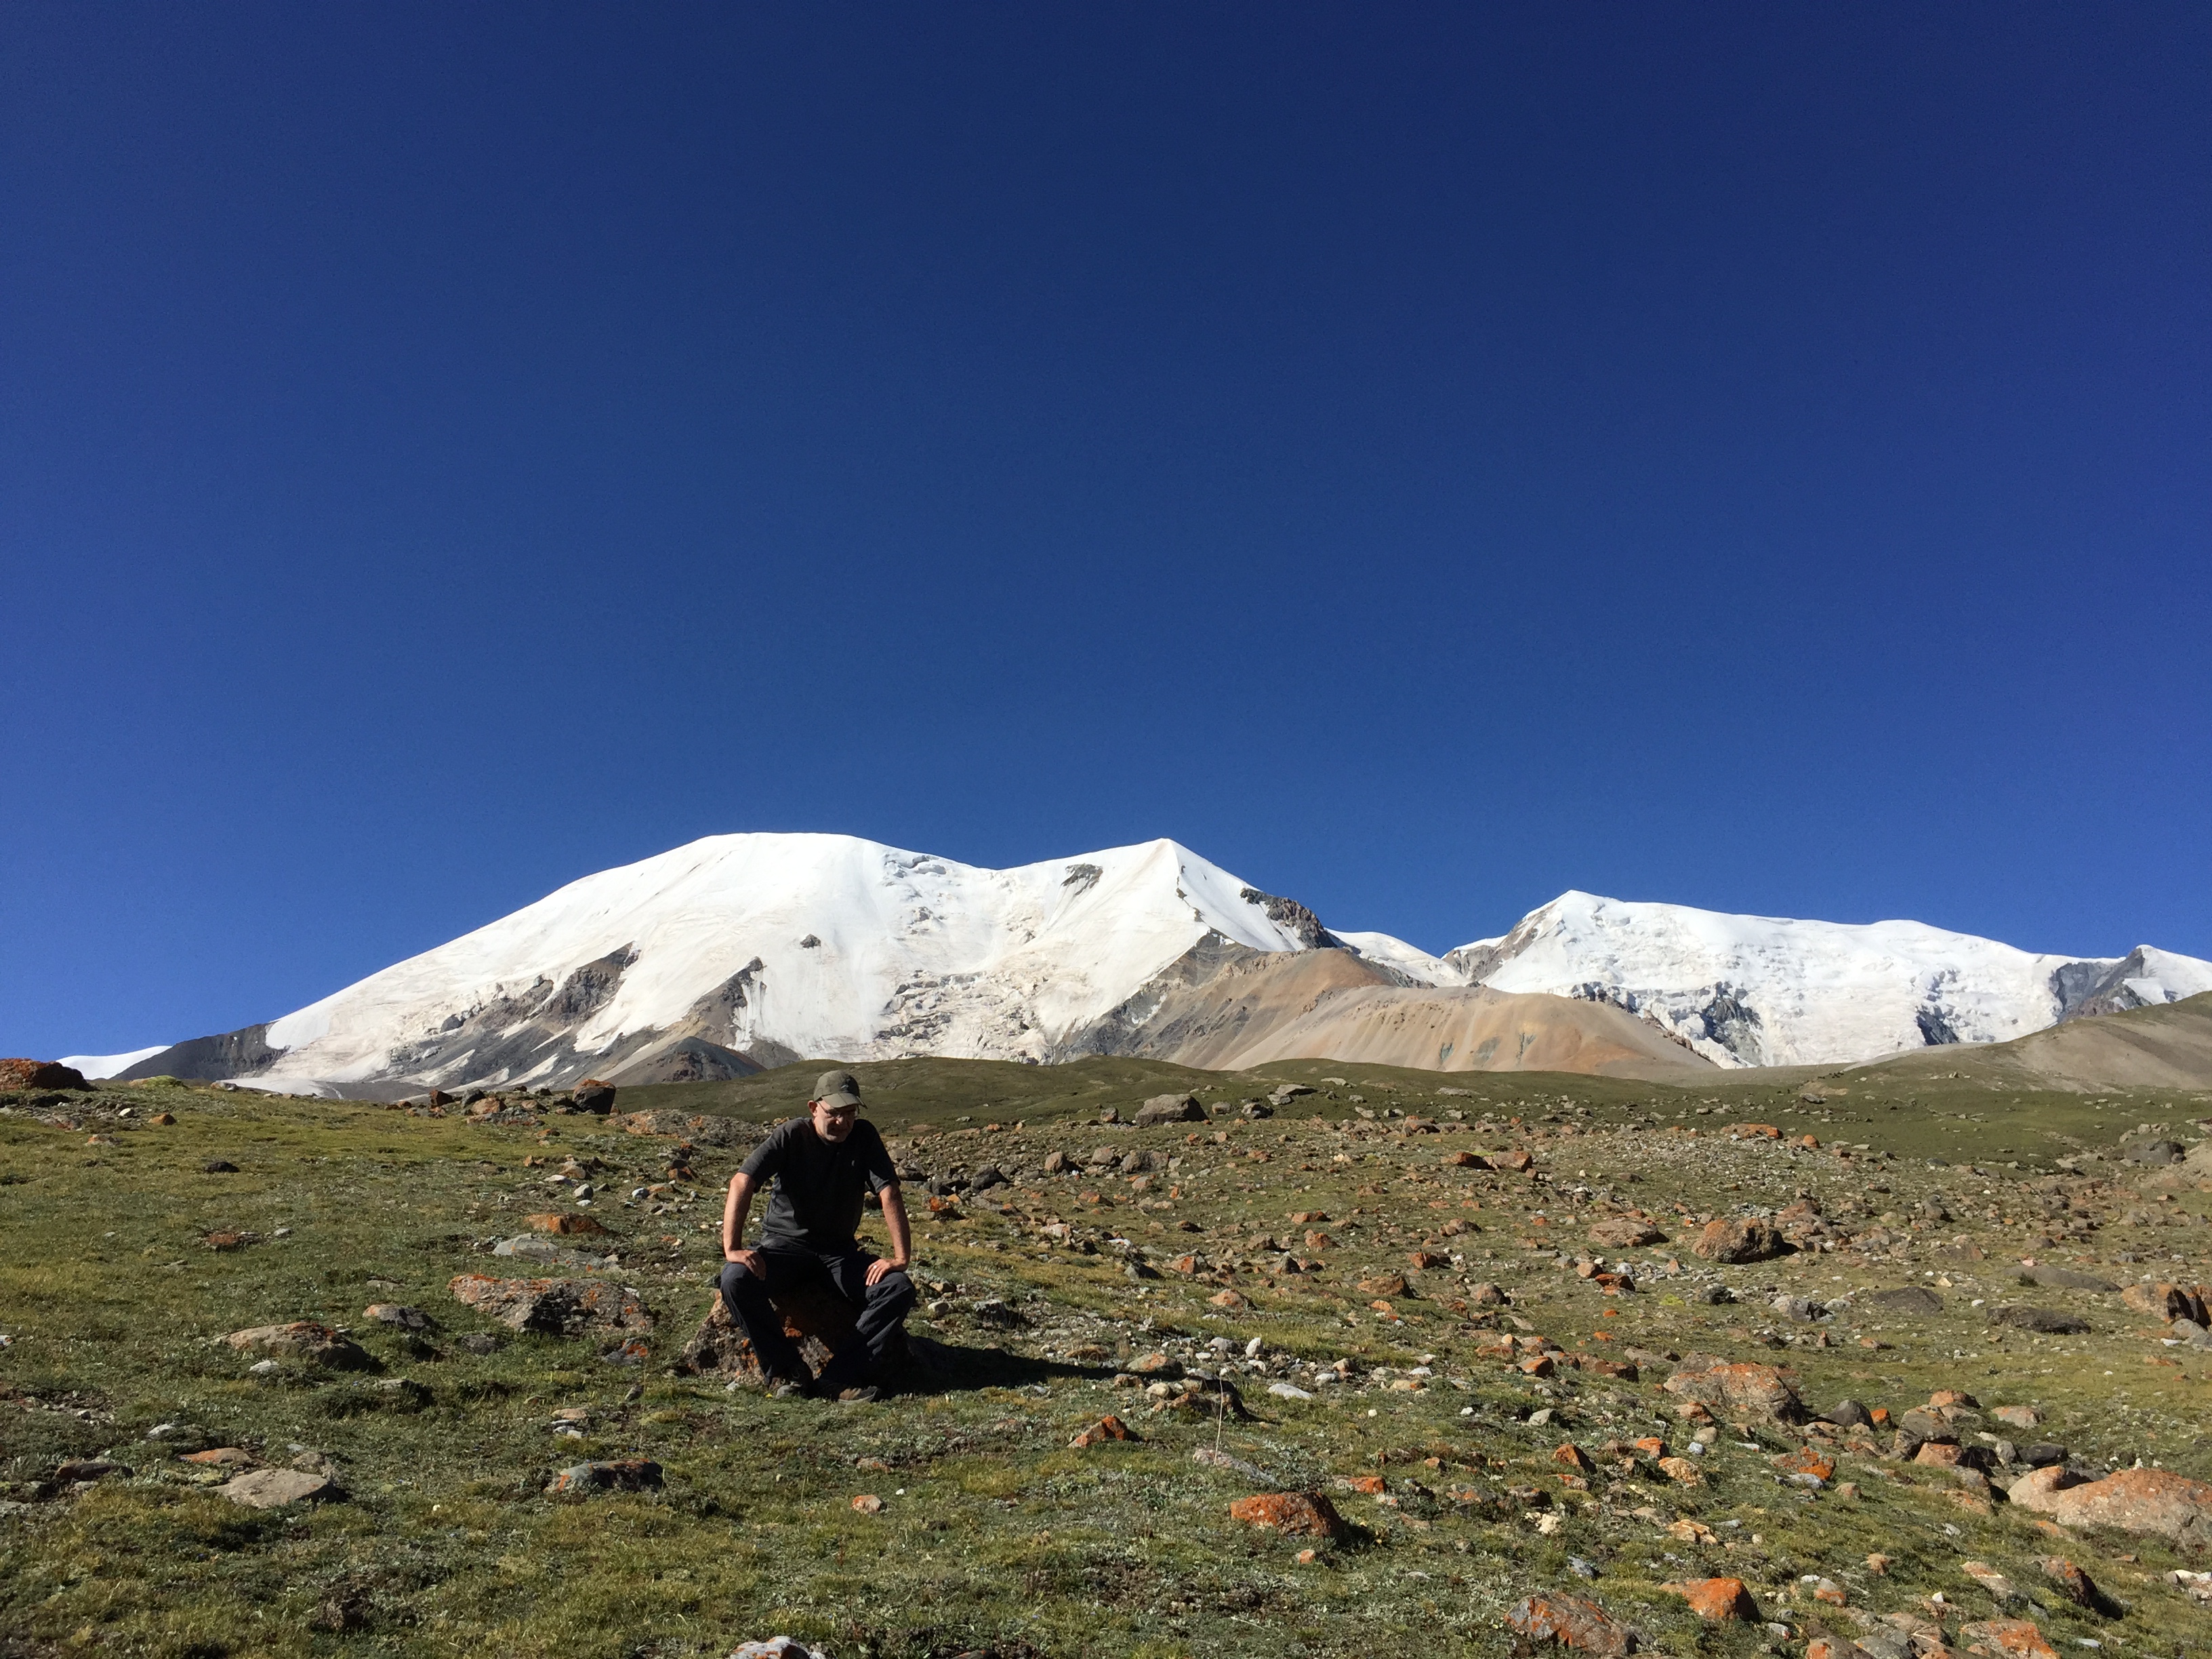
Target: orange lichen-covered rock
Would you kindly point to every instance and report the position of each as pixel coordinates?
(1756, 1390)
(2008, 1638)
(1715, 1599)
(1735, 1238)
(40, 1074)
(558, 1223)
(1807, 1459)
(1106, 1428)
(1301, 1515)
(1572, 1621)
(2155, 1501)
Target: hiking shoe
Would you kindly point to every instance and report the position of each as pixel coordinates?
(860, 1396)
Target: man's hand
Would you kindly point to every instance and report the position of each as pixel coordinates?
(748, 1259)
(882, 1264)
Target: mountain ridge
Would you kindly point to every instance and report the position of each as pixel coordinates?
(735, 952)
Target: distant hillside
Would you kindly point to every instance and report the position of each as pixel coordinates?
(1234, 1010)
(2167, 1047)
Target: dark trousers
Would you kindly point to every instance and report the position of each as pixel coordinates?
(883, 1307)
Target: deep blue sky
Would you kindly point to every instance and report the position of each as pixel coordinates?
(1753, 456)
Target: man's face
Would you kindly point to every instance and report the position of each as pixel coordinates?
(833, 1123)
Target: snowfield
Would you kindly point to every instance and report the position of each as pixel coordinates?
(95, 1067)
(1769, 991)
(846, 949)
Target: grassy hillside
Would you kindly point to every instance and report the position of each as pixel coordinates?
(128, 1261)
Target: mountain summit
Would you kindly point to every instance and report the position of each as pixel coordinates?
(1769, 991)
(737, 953)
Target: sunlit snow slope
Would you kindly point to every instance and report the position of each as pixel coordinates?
(771, 947)
(1766, 991)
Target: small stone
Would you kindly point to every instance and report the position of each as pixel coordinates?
(84, 1469)
(269, 1489)
(1623, 1232)
(1298, 1514)
(223, 1457)
(564, 1307)
(868, 1503)
(1106, 1428)
(1989, 1579)
(617, 1474)
(2047, 1322)
(1734, 1239)
(1682, 1472)
(1714, 1600)
(1808, 1460)
(2074, 1584)
(391, 1313)
(776, 1647)
(561, 1222)
(219, 1166)
(2008, 1638)
(1572, 1621)
(1749, 1389)
(305, 1341)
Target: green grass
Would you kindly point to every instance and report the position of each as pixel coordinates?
(994, 1535)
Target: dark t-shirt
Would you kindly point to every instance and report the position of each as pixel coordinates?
(817, 1200)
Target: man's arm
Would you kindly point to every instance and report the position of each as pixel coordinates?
(901, 1238)
(734, 1209)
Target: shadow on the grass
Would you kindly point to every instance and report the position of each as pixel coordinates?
(930, 1367)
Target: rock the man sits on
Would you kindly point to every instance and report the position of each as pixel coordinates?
(821, 1164)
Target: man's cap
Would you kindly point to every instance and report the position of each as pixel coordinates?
(837, 1088)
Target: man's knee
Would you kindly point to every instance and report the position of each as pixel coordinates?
(740, 1284)
(894, 1290)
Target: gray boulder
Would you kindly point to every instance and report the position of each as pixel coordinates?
(1170, 1108)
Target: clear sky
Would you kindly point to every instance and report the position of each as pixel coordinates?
(1423, 458)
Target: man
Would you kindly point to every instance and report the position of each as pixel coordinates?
(821, 1164)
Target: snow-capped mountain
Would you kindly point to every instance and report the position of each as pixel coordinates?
(740, 951)
(1766, 991)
